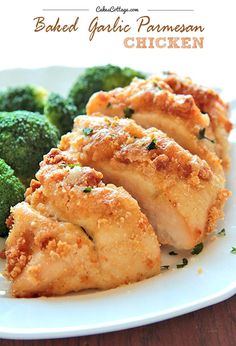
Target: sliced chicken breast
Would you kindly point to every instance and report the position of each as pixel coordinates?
(74, 232)
(152, 103)
(211, 103)
(178, 192)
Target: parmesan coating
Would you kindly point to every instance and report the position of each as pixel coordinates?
(211, 103)
(74, 232)
(153, 103)
(180, 194)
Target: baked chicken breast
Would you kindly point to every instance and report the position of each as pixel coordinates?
(74, 232)
(152, 103)
(178, 192)
(208, 102)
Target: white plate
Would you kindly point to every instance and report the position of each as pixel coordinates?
(174, 292)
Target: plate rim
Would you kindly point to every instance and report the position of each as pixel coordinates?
(117, 325)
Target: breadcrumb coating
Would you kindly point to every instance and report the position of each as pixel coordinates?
(167, 181)
(74, 232)
(153, 103)
(147, 95)
(210, 102)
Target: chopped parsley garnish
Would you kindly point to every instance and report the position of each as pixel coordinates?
(233, 250)
(87, 131)
(128, 112)
(71, 165)
(173, 253)
(152, 145)
(109, 105)
(87, 189)
(222, 233)
(155, 84)
(165, 267)
(201, 135)
(183, 264)
(197, 249)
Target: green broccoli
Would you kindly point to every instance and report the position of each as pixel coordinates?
(29, 97)
(24, 138)
(60, 112)
(11, 192)
(100, 78)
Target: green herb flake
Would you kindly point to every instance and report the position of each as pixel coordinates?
(87, 189)
(201, 135)
(183, 264)
(173, 253)
(109, 105)
(155, 84)
(87, 131)
(197, 249)
(72, 165)
(233, 250)
(222, 233)
(165, 267)
(152, 145)
(128, 112)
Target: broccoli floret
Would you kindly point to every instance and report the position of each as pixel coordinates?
(24, 138)
(29, 97)
(60, 112)
(100, 78)
(11, 192)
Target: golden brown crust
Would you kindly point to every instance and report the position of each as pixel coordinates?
(17, 258)
(147, 95)
(174, 109)
(205, 98)
(75, 232)
(216, 211)
(158, 172)
(211, 103)
(123, 140)
(36, 245)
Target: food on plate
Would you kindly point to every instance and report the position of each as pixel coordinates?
(98, 78)
(178, 192)
(29, 97)
(152, 102)
(24, 138)
(74, 232)
(211, 103)
(11, 192)
(145, 167)
(60, 112)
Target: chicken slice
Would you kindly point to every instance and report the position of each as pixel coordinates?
(178, 192)
(209, 102)
(74, 232)
(151, 103)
